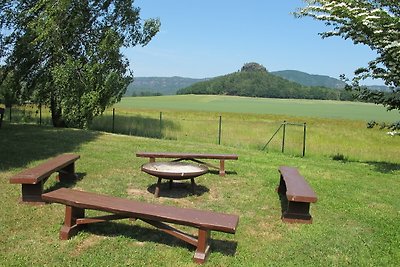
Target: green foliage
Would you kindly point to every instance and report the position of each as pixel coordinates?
(262, 84)
(372, 23)
(67, 55)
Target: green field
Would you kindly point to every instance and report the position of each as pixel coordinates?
(289, 107)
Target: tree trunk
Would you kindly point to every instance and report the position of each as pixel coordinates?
(56, 114)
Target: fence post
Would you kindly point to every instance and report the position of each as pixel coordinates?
(40, 114)
(283, 137)
(160, 124)
(219, 130)
(113, 120)
(304, 139)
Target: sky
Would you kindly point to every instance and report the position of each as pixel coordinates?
(209, 38)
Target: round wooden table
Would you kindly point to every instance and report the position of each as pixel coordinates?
(173, 171)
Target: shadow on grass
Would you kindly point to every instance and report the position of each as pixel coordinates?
(68, 184)
(178, 190)
(143, 234)
(134, 125)
(380, 166)
(216, 172)
(384, 167)
(21, 144)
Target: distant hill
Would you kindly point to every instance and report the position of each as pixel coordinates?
(261, 84)
(310, 79)
(162, 85)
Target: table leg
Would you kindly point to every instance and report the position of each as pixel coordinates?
(157, 192)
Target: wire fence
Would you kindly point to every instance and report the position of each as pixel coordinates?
(235, 131)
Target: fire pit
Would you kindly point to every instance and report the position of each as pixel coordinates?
(173, 171)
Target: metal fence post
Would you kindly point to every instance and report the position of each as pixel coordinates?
(113, 120)
(283, 137)
(160, 124)
(304, 139)
(219, 130)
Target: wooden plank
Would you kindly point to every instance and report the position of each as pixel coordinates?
(36, 174)
(186, 155)
(184, 216)
(297, 188)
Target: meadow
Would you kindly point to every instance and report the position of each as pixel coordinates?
(333, 128)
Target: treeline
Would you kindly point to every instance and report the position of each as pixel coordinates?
(263, 84)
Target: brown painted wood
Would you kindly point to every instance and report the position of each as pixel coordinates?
(191, 156)
(33, 179)
(298, 196)
(191, 217)
(157, 215)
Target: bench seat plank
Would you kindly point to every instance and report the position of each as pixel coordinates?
(191, 156)
(157, 215)
(35, 174)
(191, 217)
(186, 155)
(297, 189)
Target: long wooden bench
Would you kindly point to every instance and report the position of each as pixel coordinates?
(298, 196)
(193, 157)
(33, 179)
(157, 215)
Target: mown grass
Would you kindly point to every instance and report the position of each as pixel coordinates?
(356, 218)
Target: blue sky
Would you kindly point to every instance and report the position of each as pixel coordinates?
(208, 38)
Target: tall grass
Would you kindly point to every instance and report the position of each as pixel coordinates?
(324, 136)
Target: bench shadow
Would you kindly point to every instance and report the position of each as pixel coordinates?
(226, 172)
(144, 234)
(178, 190)
(67, 184)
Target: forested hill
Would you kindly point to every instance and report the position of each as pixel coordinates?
(262, 84)
(158, 85)
(310, 79)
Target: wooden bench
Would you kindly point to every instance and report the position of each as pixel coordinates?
(33, 179)
(298, 196)
(191, 156)
(157, 215)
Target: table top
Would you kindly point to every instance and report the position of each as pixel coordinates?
(174, 170)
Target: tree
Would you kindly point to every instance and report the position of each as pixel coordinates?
(375, 23)
(66, 53)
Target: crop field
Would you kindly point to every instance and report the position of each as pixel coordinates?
(288, 107)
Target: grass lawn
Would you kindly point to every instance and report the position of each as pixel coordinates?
(356, 218)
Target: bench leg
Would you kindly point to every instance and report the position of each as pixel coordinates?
(297, 212)
(67, 173)
(32, 193)
(221, 167)
(70, 227)
(203, 248)
(157, 192)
